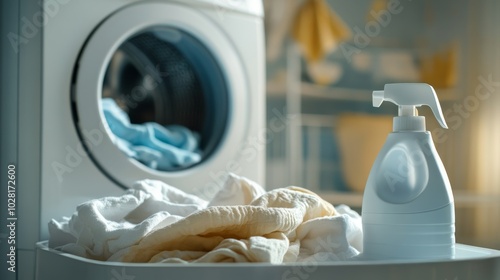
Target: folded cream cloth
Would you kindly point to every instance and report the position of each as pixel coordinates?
(154, 222)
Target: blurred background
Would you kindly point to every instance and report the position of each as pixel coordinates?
(325, 57)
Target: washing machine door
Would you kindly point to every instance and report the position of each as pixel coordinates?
(167, 64)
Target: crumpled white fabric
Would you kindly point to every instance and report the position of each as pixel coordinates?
(155, 222)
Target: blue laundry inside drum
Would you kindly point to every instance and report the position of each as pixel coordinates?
(156, 146)
(165, 99)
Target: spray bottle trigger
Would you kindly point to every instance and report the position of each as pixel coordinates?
(410, 94)
(378, 98)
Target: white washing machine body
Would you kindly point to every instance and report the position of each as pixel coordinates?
(78, 159)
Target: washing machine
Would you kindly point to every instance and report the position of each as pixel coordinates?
(194, 63)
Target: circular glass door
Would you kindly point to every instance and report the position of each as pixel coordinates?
(165, 99)
(167, 88)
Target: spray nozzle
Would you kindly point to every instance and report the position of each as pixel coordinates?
(408, 96)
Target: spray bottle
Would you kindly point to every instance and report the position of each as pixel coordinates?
(408, 208)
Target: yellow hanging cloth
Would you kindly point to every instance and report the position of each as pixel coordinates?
(318, 30)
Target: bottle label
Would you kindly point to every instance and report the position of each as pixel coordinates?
(403, 173)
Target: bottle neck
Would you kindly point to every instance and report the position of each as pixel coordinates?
(407, 110)
(408, 123)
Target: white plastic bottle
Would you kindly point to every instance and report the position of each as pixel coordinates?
(408, 209)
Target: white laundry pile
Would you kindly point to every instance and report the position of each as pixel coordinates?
(155, 222)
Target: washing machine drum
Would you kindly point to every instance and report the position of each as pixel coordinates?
(169, 78)
(152, 77)
(173, 69)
